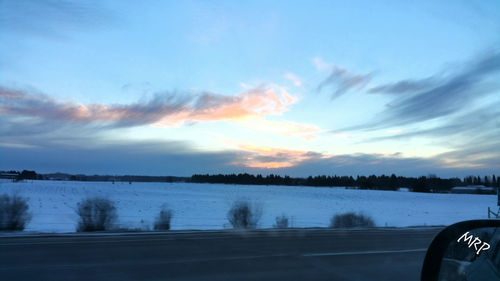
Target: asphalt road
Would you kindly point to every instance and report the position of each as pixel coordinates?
(314, 254)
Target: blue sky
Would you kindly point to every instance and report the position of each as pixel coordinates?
(298, 88)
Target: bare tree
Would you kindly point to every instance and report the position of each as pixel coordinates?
(281, 222)
(14, 213)
(96, 214)
(351, 220)
(163, 220)
(244, 215)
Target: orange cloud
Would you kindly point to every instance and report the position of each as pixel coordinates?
(285, 128)
(162, 110)
(271, 158)
(270, 165)
(250, 108)
(252, 104)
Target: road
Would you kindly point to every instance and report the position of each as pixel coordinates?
(312, 254)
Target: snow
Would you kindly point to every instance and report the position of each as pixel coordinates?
(204, 206)
(473, 188)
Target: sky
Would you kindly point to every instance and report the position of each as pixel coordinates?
(285, 87)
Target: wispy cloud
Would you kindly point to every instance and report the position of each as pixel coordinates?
(402, 87)
(162, 110)
(29, 112)
(293, 78)
(472, 138)
(441, 95)
(471, 155)
(16, 102)
(340, 79)
(320, 64)
(479, 122)
(49, 17)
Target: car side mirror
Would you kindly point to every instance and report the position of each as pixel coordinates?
(468, 250)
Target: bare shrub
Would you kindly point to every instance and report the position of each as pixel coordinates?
(163, 220)
(243, 215)
(351, 220)
(96, 214)
(13, 212)
(281, 222)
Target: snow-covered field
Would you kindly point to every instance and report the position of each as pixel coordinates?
(204, 206)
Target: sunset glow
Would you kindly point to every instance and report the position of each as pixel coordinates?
(258, 87)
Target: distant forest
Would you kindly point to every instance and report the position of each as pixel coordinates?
(429, 183)
(420, 184)
(32, 175)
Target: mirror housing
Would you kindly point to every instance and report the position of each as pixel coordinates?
(436, 251)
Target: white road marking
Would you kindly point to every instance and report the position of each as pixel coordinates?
(364, 253)
(202, 259)
(136, 262)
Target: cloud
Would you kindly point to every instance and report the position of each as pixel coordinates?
(480, 149)
(367, 164)
(27, 112)
(313, 163)
(343, 81)
(50, 18)
(304, 163)
(473, 139)
(16, 102)
(271, 158)
(256, 103)
(404, 86)
(180, 158)
(294, 79)
(479, 122)
(167, 109)
(481, 146)
(446, 95)
(144, 158)
(284, 128)
(320, 64)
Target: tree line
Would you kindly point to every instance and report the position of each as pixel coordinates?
(429, 183)
(33, 175)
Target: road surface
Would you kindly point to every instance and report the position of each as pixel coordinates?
(312, 254)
